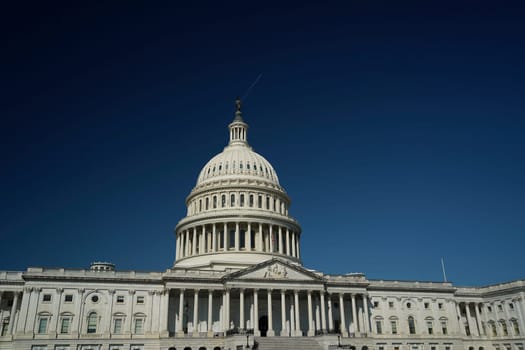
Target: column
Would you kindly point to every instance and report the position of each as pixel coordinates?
(22, 316)
(288, 241)
(151, 303)
(344, 331)
(298, 332)
(202, 242)
(330, 314)
(317, 306)
(210, 307)
(354, 315)
(270, 333)
(236, 236)
(280, 240)
(225, 237)
(56, 311)
(323, 313)
(31, 315)
(227, 309)
(109, 312)
(367, 319)
(260, 239)
(130, 311)
(187, 244)
(469, 320)
(298, 247)
(521, 313)
(478, 319)
(293, 245)
(196, 313)
(460, 322)
(311, 331)
(180, 324)
(79, 299)
(256, 331)
(241, 309)
(10, 327)
(270, 237)
(249, 238)
(164, 298)
(214, 238)
(283, 314)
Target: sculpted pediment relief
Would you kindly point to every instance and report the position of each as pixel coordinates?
(276, 271)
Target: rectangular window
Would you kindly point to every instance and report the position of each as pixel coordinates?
(378, 327)
(427, 305)
(117, 326)
(68, 298)
(242, 239)
(393, 325)
(140, 299)
(120, 299)
(376, 304)
(391, 304)
(46, 298)
(511, 306)
(139, 322)
(64, 326)
(440, 306)
(42, 326)
(4, 325)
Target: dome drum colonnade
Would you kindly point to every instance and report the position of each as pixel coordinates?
(237, 213)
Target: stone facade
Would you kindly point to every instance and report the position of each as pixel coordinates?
(237, 277)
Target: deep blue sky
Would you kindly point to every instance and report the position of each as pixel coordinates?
(396, 128)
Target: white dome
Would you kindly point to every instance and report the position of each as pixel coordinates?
(239, 161)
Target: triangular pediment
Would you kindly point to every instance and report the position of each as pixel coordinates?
(275, 270)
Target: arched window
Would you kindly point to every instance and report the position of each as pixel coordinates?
(251, 200)
(200, 204)
(259, 202)
(504, 327)
(92, 323)
(444, 328)
(43, 321)
(430, 325)
(223, 200)
(207, 202)
(214, 202)
(232, 200)
(515, 326)
(242, 200)
(411, 325)
(379, 325)
(393, 325)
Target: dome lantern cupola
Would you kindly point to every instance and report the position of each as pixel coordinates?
(238, 127)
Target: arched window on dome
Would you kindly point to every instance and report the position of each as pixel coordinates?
(251, 201)
(240, 165)
(223, 200)
(214, 202)
(221, 240)
(252, 240)
(255, 166)
(226, 166)
(267, 203)
(241, 200)
(207, 203)
(232, 200)
(242, 239)
(200, 205)
(259, 202)
(247, 165)
(220, 167)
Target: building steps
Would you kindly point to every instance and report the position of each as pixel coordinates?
(287, 343)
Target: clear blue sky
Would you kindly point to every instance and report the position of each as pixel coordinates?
(397, 129)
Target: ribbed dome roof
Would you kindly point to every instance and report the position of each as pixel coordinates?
(240, 161)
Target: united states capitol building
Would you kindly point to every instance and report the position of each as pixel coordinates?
(238, 282)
